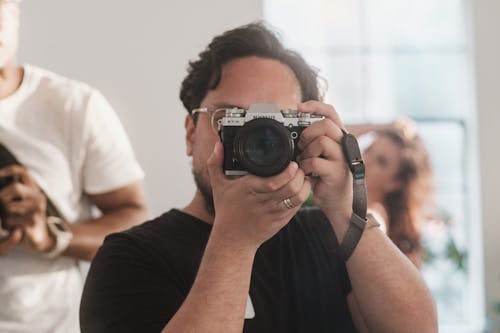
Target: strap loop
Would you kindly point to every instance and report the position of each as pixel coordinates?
(358, 220)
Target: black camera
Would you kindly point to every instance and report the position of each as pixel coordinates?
(261, 140)
(5, 181)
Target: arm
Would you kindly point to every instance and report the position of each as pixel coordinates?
(250, 210)
(25, 210)
(360, 129)
(402, 123)
(389, 292)
(121, 209)
(217, 299)
(109, 163)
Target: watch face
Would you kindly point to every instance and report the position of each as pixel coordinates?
(61, 232)
(59, 227)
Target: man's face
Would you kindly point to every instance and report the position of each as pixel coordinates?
(244, 81)
(9, 31)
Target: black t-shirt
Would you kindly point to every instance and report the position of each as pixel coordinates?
(139, 278)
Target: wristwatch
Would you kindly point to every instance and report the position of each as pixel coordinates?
(62, 234)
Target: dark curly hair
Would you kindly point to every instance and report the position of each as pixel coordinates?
(254, 39)
(408, 206)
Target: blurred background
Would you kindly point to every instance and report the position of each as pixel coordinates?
(436, 61)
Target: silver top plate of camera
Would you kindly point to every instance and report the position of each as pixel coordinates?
(288, 117)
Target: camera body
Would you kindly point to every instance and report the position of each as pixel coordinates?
(261, 140)
(7, 180)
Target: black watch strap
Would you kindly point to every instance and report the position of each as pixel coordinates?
(358, 221)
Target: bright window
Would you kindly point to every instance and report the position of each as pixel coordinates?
(386, 58)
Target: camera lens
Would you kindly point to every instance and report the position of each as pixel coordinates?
(263, 147)
(7, 180)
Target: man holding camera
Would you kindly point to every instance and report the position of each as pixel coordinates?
(243, 255)
(63, 152)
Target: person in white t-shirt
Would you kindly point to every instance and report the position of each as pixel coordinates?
(73, 156)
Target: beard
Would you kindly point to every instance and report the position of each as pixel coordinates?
(205, 189)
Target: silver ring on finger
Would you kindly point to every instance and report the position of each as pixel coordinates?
(288, 203)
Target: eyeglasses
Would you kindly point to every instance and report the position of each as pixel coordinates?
(216, 114)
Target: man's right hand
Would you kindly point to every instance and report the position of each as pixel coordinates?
(8, 243)
(250, 209)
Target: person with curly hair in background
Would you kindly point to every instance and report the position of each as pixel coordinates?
(399, 182)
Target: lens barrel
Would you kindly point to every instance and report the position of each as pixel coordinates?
(263, 147)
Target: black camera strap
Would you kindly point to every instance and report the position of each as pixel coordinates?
(359, 203)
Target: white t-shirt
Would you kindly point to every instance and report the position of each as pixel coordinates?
(72, 142)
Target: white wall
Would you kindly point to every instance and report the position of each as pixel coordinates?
(136, 53)
(486, 25)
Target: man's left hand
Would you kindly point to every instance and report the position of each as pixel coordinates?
(322, 156)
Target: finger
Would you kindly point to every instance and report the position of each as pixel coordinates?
(273, 183)
(324, 147)
(325, 127)
(313, 181)
(11, 242)
(19, 172)
(15, 222)
(214, 164)
(292, 188)
(14, 192)
(305, 192)
(20, 208)
(407, 125)
(299, 197)
(322, 109)
(324, 168)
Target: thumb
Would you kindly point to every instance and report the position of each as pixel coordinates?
(11, 241)
(214, 163)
